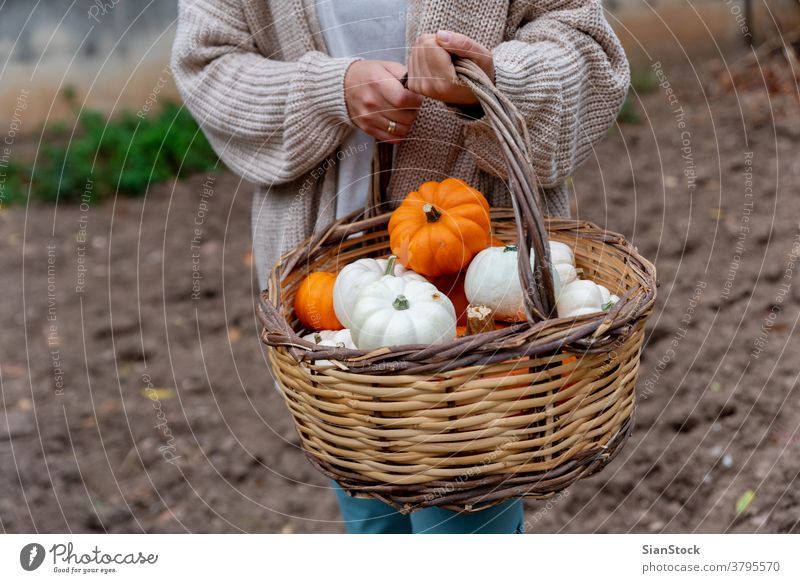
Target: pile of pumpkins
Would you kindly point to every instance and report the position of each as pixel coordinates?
(444, 262)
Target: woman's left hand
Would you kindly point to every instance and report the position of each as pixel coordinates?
(430, 66)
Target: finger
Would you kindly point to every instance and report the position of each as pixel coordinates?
(461, 45)
(399, 97)
(425, 52)
(425, 79)
(400, 130)
(400, 116)
(403, 116)
(393, 91)
(413, 82)
(396, 69)
(383, 111)
(380, 129)
(436, 69)
(382, 136)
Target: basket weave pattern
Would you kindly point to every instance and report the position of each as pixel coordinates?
(522, 411)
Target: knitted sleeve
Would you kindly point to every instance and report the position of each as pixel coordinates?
(565, 70)
(270, 121)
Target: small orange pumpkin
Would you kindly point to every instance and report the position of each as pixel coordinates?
(313, 302)
(440, 227)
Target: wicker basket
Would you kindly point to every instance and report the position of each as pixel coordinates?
(523, 411)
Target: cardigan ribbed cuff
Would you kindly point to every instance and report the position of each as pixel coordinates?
(321, 83)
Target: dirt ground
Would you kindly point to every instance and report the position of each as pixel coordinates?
(709, 193)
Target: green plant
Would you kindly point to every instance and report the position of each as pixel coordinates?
(629, 114)
(124, 156)
(643, 81)
(12, 184)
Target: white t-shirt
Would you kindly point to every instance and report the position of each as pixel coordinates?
(374, 30)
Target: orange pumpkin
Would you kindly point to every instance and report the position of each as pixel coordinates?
(452, 285)
(440, 227)
(313, 302)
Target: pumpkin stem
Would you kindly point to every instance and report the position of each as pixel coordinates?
(400, 303)
(317, 338)
(431, 212)
(510, 248)
(390, 263)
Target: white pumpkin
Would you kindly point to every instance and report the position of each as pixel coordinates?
(609, 299)
(396, 310)
(333, 338)
(566, 273)
(563, 260)
(493, 280)
(578, 298)
(340, 338)
(561, 254)
(605, 293)
(354, 276)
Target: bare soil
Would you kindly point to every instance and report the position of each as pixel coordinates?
(86, 446)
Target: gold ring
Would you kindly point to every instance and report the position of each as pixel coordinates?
(392, 127)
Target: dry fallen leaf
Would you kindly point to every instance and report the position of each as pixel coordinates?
(14, 371)
(158, 393)
(716, 213)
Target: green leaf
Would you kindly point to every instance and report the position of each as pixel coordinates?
(744, 501)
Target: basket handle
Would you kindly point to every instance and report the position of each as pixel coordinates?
(512, 134)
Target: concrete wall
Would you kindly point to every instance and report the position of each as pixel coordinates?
(114, 52)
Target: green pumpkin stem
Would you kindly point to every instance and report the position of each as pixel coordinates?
(390, 263)
(510, 248)
(400, 303)
(431, 213)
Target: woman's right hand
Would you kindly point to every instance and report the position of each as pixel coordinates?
(376, 98)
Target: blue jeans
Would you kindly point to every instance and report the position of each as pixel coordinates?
(370, 516)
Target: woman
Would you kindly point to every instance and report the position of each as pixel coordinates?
(292, 94)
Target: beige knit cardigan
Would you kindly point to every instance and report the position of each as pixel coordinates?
(256, 75)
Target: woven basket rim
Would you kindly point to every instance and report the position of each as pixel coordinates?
(588, 333)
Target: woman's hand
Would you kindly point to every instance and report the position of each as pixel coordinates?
(377, 102)
(430, 66)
